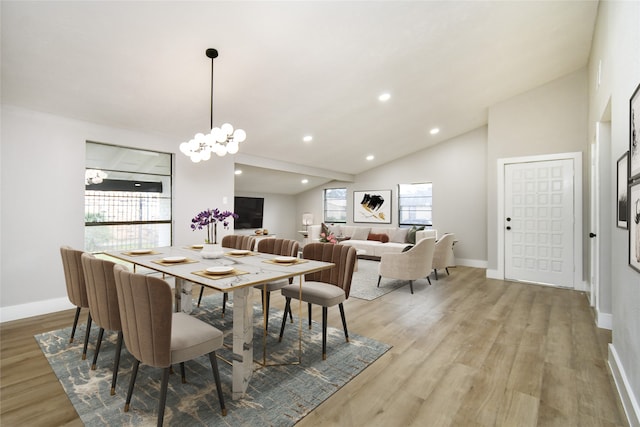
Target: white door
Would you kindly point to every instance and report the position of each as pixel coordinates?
(595, 222)
(539, 221)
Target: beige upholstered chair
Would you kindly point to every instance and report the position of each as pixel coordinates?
(103, 305)
(76, 289)
(233, 241)
(443, 254)
(410, 265)
(156, 336)
(325, 288)
(283, 247)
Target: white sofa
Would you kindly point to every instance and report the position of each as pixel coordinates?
(360, 238)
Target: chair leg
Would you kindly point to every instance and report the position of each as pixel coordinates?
(116, 363)
(216, 376)
(200, 297)
(95, 354)
(435, 271)
(86, 337)
(324, 333)
(265, 309)
(447, 270)
(287, 308)
(344, 321)
(411, 285)
(183, 373)
(309, 306)
(75, 323)
(132, 382)
(428, 280)
(163, 395)
(379, 278)
(225, 298)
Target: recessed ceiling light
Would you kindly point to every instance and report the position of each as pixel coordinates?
(305, 181)
(434, 131)
(370, 157)
(238, 172)
(307, 138)
(384, 97)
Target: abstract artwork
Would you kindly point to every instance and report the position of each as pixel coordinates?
(634, 225)
(623, 176)
(372, 206)
(634, 135)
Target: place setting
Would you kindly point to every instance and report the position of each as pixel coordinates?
(239, 253)
(219, 272)
(285, 260)
(140, 252)
(174, 260)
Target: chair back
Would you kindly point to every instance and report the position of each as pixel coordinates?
(236, 241)
(344, 258)
(146, 316)
(283, 247)
(101, 291)
(74, 276)
(443, 255)
(410, 265)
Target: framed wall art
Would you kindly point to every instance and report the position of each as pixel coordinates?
(634, 135)
(372, 206)
(634, 225)
(623, 185)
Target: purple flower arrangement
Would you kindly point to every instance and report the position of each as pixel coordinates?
(210, 219)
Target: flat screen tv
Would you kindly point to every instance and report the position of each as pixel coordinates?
(250, 212)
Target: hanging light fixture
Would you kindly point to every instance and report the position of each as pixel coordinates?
(94, 176)
(221, 140)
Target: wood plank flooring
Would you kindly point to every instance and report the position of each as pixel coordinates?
(467, 351)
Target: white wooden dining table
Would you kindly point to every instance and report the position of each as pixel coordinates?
(249, 269)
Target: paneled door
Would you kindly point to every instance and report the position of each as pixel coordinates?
(539, 222)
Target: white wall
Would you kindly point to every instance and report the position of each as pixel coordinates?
(43, 158)
(615, 52)
(279, 215)
(457, 169)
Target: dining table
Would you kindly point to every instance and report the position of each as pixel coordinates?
(232, 271)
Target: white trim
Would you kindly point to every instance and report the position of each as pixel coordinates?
(495, 274)
(629, 401)
(577, 205)
(475, 263)
(604, 320)
(31, 309)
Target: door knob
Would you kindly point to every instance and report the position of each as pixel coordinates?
(508, 218)
(592, 235)
(508, 228)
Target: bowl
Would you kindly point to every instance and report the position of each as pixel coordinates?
(174, 259)
(225, 269)
(285, 259)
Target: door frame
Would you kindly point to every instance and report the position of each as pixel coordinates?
(578, 283)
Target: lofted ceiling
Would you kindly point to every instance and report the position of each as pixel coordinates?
(290, 69)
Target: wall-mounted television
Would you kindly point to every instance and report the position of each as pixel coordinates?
(250, 212)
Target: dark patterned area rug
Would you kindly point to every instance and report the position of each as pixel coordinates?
(277, 395)
(364, 284)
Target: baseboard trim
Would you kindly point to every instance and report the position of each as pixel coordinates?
(495, 274)
(604, 320)
(629, 401)
(475, 263)
(22, 311)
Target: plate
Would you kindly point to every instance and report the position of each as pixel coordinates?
(285, 259)
(239, 252)
(141, 251)
(219, 270)
(174, 259)
(197, 246)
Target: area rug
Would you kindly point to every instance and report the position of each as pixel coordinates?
(364, 284)
(277, 395)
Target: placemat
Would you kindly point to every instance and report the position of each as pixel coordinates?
(202, 273)
(297, 261)
(186, 261)
(131, 253)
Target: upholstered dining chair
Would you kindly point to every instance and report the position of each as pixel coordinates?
(232, 241)
(443, 255)
(410, 265)
(283, 247)
(76, 289)
(103, 305)
(325, 288)
(156, 336)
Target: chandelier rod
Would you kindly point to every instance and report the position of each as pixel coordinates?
(211, 53)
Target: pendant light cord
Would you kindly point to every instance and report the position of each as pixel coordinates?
(211, 122)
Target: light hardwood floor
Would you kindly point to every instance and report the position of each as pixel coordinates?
(467, 351)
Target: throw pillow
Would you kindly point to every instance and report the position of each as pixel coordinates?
(324, 228)
(383, 238)
(399, 235)
(335, 229)
(411, 234)
(361, 233)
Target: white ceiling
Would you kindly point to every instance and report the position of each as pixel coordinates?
(287, 69)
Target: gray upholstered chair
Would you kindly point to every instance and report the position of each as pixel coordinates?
(325, 288)
(443, 254)
(156, 336)
(76, 289)
(283, 247)
(233, 241)
(103, 305)
(410, 265)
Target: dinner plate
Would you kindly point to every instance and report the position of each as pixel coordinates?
(174, 259)
(141, 251)
(219, 270)
(285, 259)
(239, 252)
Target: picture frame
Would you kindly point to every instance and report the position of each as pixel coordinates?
(372, 206)
(634, 135)
(622, 208)
(634, 225)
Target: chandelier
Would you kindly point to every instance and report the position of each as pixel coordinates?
(221, 140)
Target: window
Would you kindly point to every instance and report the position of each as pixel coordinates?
(127, 198)
(335, 205)
(415, 204)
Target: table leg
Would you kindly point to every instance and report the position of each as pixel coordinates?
(183, 296)
(242, 341)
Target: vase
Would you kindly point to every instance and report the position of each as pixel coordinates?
(211, 251)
